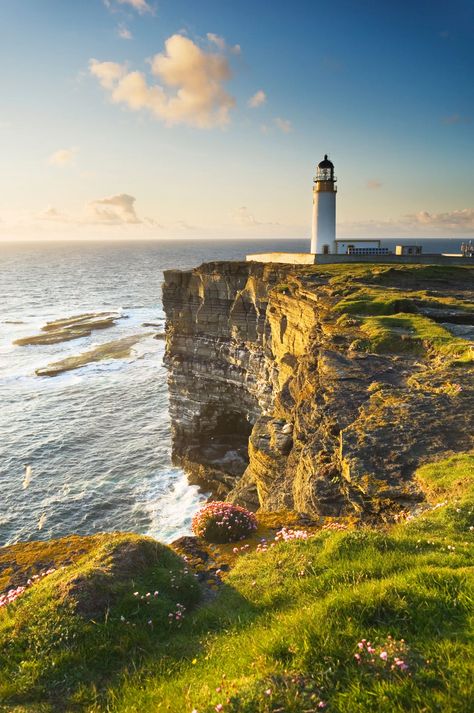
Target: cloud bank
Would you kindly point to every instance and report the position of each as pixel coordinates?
(115, 210)
(191, 89)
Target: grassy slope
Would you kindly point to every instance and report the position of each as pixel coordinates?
(288, 621)
(280, 635)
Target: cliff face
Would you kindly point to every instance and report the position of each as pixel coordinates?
(318, 389)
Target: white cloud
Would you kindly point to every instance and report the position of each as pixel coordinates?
(108, 73)
(244, 217)
(140, 6)
(218, 41)
(62, 157)
(283, 124)
(191, 90)
(424, 224)
(115, 210)
(258, 99)
(124, 33)
(373, 184)
(455, 220)
(52, 213)
(222, 44)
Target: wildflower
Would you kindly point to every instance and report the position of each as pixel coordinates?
(135, 594)
(219, 707)
(218, 689)
(322, 704)
(383, 655)
(268, 692)
(150, 622)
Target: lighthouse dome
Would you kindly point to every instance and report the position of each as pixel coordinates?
(325, 163)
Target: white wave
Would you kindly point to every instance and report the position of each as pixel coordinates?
(171, 512)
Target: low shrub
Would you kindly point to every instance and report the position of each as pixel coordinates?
(224, 522)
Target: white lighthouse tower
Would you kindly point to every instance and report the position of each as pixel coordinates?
(323, 236)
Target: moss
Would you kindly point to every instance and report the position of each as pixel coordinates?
(451, 477)
(413, 334)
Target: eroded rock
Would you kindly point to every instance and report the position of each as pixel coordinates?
(273, 406)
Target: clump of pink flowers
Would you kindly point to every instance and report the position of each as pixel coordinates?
(12, 594)
(177, 615)
(223, 522)
(391, 655)
(286, 534)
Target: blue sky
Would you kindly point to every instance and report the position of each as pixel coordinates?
(135, 118)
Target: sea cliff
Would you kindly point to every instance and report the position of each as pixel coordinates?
(318, 389)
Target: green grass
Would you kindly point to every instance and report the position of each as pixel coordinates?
(280, 635)
(413, 334)
(386, 301)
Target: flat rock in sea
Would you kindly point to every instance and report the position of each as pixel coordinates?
(118, 349)
(63, 330)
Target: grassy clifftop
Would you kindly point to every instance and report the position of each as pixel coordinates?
(353, 620)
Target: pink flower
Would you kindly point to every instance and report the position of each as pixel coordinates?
(268, 692)
(219, 707)
(384, 655)
(322, 704)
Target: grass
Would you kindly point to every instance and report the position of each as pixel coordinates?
(391, 323)
(376, 301)
(413, 334)
(281, 633)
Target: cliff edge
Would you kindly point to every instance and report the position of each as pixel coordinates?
(319, 389)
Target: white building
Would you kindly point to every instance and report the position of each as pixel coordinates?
(323, 234)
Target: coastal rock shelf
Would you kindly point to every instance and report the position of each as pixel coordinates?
(76, 327)
(319, 389)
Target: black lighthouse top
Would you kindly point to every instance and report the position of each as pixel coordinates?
(326, 163)
(325, 171)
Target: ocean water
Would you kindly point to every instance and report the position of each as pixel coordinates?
(97, 439)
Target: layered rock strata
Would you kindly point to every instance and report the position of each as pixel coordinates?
(277, 401)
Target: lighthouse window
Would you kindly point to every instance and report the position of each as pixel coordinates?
(325, 249)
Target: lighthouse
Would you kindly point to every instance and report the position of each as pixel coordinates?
(323, 237)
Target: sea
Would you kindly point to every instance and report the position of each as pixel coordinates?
(96, 441)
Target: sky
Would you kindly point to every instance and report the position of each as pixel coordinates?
(206, 119)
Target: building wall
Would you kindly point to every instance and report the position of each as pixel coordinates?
(342, 245)
(310, 259)
(324, 221)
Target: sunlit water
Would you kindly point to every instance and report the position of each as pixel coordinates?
(98, 438)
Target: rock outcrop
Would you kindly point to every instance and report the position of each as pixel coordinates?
(290, 389)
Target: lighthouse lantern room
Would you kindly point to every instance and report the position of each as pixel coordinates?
(323, 237)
